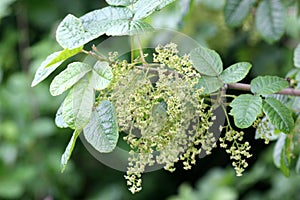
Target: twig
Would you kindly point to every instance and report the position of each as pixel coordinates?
(246, 87)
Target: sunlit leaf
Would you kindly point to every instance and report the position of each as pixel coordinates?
(67, 78)
(297, 56)
(209, 83)
(77, 107)
(236, 72)
(64, 55)
(102, 130)
(59, 121)
(44, 70)
(101, 75)
(71, 34)
(245, 109)
(113, 21)
(265, 85)
(69, 149)
(120, 2)
(280, 116)
(206, 61)
(144, 8)
(270, 19)
(236, 11)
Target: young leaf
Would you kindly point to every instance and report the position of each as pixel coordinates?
(68, 152)
(101, 75)
(45, 70)
(144, 8)
(102, 130)
(245, 109)
(270, 19)
(297, 56)
(209, 83)
(236, 11)
(77, 107)
(64, 55)
(67, 78)
(206, 61)
(280, 116)
(264, 85)
(71, 34)
(59, 121)
(235, 72)
(129, 28)
(120, 2)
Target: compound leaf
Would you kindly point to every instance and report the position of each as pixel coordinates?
(69, 149)
(102, 130)
(209, 83)
(270, 19)
(101, 75)
(236, 11)
(264, 85)
(235, 72)
(297, 56)
(67, 78)
(77, 107)
(245, 109)
(206, 61)
(144, 8)
(280, 116)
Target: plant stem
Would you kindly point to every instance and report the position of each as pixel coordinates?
(246, 87)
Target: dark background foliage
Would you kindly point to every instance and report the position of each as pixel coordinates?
(31, 145)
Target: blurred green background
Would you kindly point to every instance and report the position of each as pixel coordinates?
(31, 145)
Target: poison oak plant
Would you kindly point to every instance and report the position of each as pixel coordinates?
(164, 106)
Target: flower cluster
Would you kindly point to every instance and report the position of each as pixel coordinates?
(239, 151)
(164, 115)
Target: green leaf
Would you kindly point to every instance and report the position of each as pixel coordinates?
(245, 109)
(297, 56)
(209, 83)
(280, 116)
(102, 130)
(77, 107)
(51, 63)
(270, 19)
(71, 34)
(45, 70)
(284, 163)
(144, 8)
(236, 11)
(59, 121)
(120, 2)
(113, 21)
(101, 75)
(236, 72)
(64, 55)
(264, 85)
(67, 78)
(68, 152)
(206, 61)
